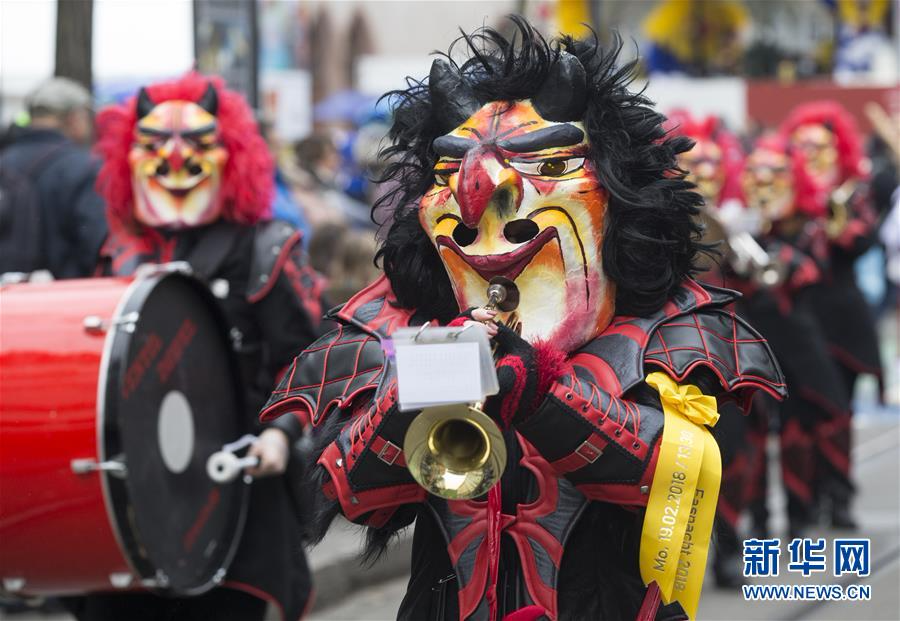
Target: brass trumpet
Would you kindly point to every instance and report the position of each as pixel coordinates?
(747, 258)
(839, 208)
(456, 451)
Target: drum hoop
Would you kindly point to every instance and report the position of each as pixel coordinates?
(142, 568)
(102, 386)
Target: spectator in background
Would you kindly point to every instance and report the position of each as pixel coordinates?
(345, 257)
(284, 207)
(315, 186)
(51, 155)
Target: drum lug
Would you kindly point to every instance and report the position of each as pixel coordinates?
(13, 584)
(120, 579)
(94, 324)
(161, 579)
(116, 467)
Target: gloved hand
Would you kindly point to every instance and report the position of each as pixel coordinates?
(477, 315)
(517, 374)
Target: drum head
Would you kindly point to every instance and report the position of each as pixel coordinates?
(171, 400)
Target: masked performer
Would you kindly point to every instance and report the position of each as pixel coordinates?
(187, 177)
(533, 161)
(776, 301)
(825, 136)
(713, 165)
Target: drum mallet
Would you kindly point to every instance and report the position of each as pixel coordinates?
(224, 466)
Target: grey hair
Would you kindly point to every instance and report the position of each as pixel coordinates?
(57, 96)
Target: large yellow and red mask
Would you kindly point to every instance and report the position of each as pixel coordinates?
(177, 162)
(515, 194)
(768, 181)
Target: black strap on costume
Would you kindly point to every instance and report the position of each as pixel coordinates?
(210, 251)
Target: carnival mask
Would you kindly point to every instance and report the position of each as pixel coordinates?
(177, 162)
(705, 169)
(818, 146)
(515, 194)
(768, 184)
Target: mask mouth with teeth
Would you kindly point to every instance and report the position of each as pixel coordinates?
(535, 163)
(183, 154)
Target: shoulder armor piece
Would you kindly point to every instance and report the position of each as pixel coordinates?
(273, 243)
(330, 373)
(719, 340)
(615, 356)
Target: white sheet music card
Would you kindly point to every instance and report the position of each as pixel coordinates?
(439, 366)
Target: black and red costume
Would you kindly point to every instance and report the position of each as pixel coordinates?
(848, 225)
(557, 537)
(782, 314)
(272, 300)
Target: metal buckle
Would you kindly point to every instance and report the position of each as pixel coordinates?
(588, 452)
(386, 448)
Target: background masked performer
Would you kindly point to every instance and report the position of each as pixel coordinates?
(772, 181)
(836, 195)
(713, 165)
(187, 177)
(534, 162)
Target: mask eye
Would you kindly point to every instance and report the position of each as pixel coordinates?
(549, 168)
(441, 179)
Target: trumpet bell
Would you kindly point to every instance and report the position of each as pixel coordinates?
(455, 451)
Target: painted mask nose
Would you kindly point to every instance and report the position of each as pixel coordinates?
(485, 181)
(173, 156)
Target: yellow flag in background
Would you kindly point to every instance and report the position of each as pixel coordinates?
(571, 17)
(683, 494)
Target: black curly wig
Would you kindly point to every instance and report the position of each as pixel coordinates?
(651, 240)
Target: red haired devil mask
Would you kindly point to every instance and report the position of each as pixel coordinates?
(177, 162)
(183, 154)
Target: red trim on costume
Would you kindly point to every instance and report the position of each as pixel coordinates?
(650, 605)
(354, 504)
(510, 403)
(529, 613)
(258, 593)
(853, 363)
(276, 269)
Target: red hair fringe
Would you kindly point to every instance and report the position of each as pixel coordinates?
(248, 178)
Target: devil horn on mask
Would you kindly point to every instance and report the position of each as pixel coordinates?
(563, 94)
(144, 103)
(210, 100)
(452, 99)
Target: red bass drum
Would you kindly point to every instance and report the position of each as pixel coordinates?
(113, 394)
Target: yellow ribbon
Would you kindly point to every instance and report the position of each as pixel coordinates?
(683, 495)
